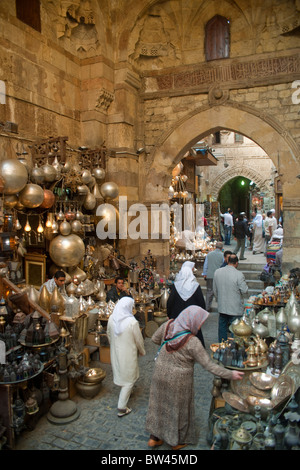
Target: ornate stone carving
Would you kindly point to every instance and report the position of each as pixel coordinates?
(231, 74)
(105, 99)
(75, 24)
(217, 95)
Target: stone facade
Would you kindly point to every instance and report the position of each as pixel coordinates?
(133, 74)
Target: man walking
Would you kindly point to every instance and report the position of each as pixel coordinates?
(213, 261)
(241, 231)
(229, 287)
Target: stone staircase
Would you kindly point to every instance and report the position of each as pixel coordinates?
(251, 272)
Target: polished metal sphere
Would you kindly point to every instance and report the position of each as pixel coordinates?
(99, 173)
(65, 228)
(76, 226)
(83, 190)
(32, 195)
(109, 190)
(49, 199)
(14, 174)
(10, 201)
(67, 251)
(86, 177)
(37, 175)
(49, 173)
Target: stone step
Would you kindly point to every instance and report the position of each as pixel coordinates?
(251, 274)
(251, 291)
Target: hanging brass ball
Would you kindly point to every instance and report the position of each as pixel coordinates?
(32, 195)
(83, 190)
(99, 173)
(49, 173)
(37, 175)
(76, 226)
(67, 251)
(65, 228)
(14, 174)
(86, 177)
(49, 199)
(10, 201)
(109, 190)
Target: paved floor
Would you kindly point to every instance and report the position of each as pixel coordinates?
(98, 426)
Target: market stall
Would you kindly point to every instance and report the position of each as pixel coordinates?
(261, 411)
(48, 220)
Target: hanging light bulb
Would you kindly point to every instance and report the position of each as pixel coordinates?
(40, 228)
(27, 227)
(48, 221)
(18, 226)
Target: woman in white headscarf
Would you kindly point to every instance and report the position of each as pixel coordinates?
(186, 291)
(126, 343)
(258, 240)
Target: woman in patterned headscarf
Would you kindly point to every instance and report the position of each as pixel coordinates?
(185, 291)
(170, 416)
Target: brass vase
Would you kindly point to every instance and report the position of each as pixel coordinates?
(57, 302)
(45, 298)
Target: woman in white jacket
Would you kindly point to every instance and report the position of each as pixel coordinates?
(126, 343)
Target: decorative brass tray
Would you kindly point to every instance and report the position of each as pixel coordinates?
(235, 401)
(262, 381)
(284, 388)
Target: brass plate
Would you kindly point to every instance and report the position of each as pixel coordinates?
(284, 388)
(262, 381)
(235, 401)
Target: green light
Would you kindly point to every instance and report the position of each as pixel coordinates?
(242, 182)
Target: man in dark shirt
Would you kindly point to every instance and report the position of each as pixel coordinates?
(241, 231)
(117, 291)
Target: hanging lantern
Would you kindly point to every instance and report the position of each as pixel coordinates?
(40, 227)
(27, 227)
(49, 221)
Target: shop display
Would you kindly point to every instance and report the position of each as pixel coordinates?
(265, 345)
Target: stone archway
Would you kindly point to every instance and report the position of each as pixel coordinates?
(269, 134)
(238, 170)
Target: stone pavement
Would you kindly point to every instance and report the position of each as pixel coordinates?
(98, 426)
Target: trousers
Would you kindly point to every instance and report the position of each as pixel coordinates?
(209, 293)
(227, 232)
(240, 245)
(124, 396)
(224, 324)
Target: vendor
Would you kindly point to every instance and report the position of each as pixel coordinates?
(58, 281)
(117, 291)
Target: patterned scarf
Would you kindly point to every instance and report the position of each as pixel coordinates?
(190, 321)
